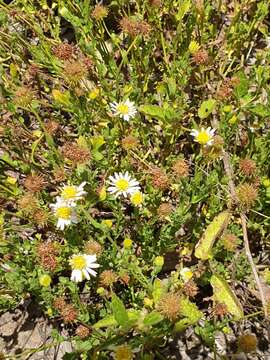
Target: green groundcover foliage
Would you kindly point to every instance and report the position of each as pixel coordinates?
(134, 182)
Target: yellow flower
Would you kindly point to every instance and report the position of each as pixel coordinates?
(266, 182)
(102, 194)
(11, 180)
(148, 302)
(193, 47)
(159, 261)
(61, 97)
(37, 133)
(127, 243)
(49, 312)
(137, 198)
(107, 222)
(94, 94)
(45, 280)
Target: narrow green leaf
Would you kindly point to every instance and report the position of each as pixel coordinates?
(206, 108)
(224, 294)
(184, 7)
(105, 322)
(203, 249)
(260, 109)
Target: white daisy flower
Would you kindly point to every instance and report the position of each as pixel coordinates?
(122, 184)
(82, 266)
(204, 137)
(64, 212)
(72, 193)
(126, 110)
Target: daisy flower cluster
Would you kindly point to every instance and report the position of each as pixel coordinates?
(65, 207)
(123, 184)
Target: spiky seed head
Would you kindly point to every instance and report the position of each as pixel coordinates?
(180, 168)
(190, 288)
(69, 313)
(164, 210)
(247, 195)
(83, 332)
(130, 142)
(247, 342)
(35, 183)
(75, 153)
(229, 241)
(169, 306)
(107, 278)
(100, 12)
(247, 167)
(123, 352)
(160, 180)
(92, 247)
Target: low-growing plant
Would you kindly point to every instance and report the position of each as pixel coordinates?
(135, 170)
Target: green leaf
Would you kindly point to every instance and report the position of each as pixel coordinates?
(171, 85)
(260, 110)
(158, 290)
(203, 249)
(105, 322)
(190, 310)
(133, 317)
(184, 7)
(97, 142)
(154, 111)
(242, 88)
(119, 311)
(206, 108)
(223, 294)
(181, 325)
(153, 318)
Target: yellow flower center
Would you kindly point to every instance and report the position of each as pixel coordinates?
(122, 184)
(63, 212)
(69, 192)
(136, 198)
(203, 137)
(123, 109)
(78, 262)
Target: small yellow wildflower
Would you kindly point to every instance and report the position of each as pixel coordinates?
(127, 243)
(193, 47)
(45, 280)
(107, 222)
(148, 302)
(102, 194)
(137, 198)
(159, 261)
(11, 180)
(94, 94)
